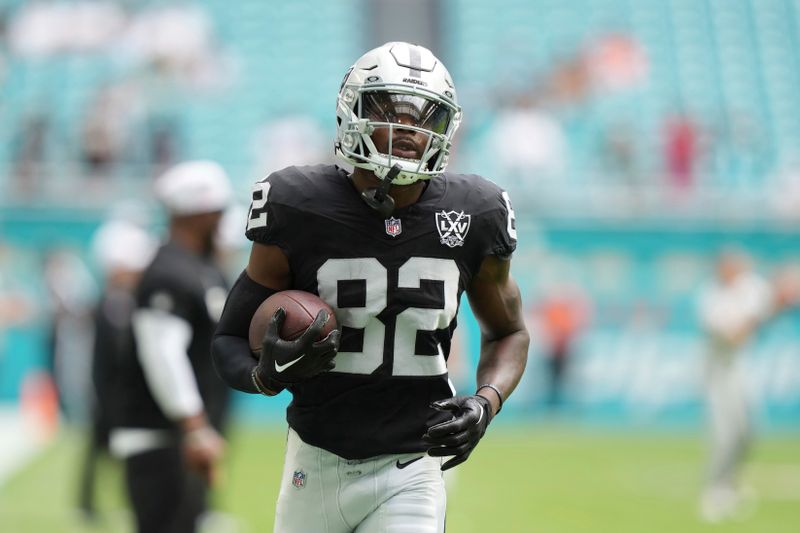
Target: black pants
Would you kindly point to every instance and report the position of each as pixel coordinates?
(556, 364)
(165, 496)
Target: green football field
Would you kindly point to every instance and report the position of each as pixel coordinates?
(536, 479)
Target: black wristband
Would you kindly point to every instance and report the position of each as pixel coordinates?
(496, 390)
(260, 387)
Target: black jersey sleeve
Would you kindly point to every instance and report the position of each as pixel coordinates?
(268, 220)
(505, 241)
(499, 223)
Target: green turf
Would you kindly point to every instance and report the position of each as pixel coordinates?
(541, 479)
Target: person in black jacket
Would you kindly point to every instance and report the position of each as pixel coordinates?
(172, 405)
(122, 251)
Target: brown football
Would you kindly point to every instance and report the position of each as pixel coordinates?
(301, 308)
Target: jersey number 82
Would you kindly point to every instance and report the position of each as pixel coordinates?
(373, 279)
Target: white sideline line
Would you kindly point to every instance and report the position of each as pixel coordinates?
(17, 444)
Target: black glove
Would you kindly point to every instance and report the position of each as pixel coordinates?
(285, 362)
(460, 435)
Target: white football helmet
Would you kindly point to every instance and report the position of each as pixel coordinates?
(397, 79)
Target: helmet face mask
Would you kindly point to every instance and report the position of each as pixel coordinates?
(396, 96)
(388, 107)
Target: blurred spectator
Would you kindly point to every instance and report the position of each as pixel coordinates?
(619, 152)
(529, 143)
(107, 127)
(681, 152)
(72, 294)
(620, 162)
(570, 82)
(30, 153)
(122, 251)
(564, 313)
(15, 304)
(617, 62)
(165, 146)
(731, 310)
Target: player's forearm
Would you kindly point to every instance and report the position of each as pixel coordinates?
(234, 362)
(230, 348)
(502, 363)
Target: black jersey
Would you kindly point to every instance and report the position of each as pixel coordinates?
(395, 285)
(192, 288)
(113, 342)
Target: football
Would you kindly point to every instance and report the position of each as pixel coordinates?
(301, 307)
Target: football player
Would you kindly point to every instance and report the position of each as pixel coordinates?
(731, 310)
(170, 404)
(391, 247)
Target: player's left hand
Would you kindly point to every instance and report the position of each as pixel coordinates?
(203, 449)
(460, 435)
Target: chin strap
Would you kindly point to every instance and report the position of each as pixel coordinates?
(378, 197)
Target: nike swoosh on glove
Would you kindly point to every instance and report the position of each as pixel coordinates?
(459, 435)
(285, 362)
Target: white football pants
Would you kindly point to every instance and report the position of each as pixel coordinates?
(324, 493)
(729, 417)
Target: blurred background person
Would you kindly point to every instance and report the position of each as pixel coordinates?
(30, 154)
(529, 143)
(16, 306)
(681, 137)
(563, 313)
(732, 308)
(122, 251)
(108, 129)
(71, 291)
(172, 405)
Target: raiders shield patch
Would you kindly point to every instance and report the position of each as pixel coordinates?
(452, 227)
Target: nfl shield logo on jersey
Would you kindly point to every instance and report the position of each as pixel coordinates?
(299, 479)
(393, 227)
(452, 227)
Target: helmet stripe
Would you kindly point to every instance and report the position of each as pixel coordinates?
(415, 62)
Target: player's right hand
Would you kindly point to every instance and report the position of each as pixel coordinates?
(287, 362)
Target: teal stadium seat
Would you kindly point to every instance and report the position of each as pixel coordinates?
(712, 58)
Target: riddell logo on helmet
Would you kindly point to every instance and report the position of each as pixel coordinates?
(415, 81)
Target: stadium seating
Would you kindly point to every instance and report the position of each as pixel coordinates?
(722, 62)
(726, 63)
(276, 68)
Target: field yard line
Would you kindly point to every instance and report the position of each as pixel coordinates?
(17, 444)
